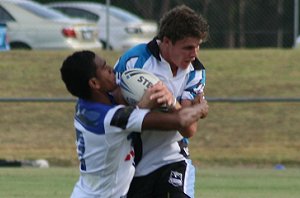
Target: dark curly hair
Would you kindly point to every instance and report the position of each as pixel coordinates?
(182, 22)
(76, 71)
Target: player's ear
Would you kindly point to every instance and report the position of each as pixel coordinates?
(94, 83)
(166, 40)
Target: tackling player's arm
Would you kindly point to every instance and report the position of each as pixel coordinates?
(190, 130)
(177, 120)
(173, 120)
(158, 94)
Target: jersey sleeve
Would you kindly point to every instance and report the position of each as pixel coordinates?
(195, 84)
(102, 119)
(133, 58)
(124, 118)
(122, 66)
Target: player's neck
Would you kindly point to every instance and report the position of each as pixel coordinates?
(174, 69)
(101, 97)
(167, 58)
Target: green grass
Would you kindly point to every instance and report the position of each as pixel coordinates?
(260, 134)
(37, 183)
(213, 182)
(247, 183)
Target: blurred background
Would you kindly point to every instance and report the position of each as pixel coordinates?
(233, 23)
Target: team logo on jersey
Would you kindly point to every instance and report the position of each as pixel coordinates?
(175, 178)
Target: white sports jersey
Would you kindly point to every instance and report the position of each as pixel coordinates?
(160, 149)
(105, 149)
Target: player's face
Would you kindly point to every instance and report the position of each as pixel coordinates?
(183, 52)
(105, 75)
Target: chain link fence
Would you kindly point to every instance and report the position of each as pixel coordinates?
(233, 23)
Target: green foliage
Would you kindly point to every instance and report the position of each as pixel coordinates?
(238, 182)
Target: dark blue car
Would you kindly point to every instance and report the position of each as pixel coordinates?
(4, 45)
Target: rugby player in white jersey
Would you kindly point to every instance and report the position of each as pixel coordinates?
(105, 130)
(165, 169)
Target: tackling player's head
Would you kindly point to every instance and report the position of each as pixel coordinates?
(76, 71)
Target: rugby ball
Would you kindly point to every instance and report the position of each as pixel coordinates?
(134, 83)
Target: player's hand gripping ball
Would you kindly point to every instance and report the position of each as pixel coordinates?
(134, 83)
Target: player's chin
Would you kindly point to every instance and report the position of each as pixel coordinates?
(185, 64)
(113, 87)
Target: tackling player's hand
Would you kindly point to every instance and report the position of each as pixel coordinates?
(155, 96)
(200, 99)
(189, 115)
(161, 94)
(146, 102)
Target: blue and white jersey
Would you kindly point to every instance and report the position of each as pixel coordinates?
(160, 149)
(104, 148)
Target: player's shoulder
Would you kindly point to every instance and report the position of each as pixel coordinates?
(135, 56)
(136, 51)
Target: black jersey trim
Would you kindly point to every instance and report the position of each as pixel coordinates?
(121, 117)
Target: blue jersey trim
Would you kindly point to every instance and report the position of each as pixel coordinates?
(140, 51)
(203, 80)
(91, 115)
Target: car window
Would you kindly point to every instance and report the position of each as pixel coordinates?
(124, 15)
(5, 16)
(75, 12)
(42, 11)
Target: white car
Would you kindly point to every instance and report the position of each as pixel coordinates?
(34, 26)
(125, 30)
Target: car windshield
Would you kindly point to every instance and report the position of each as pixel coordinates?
(124, 15)
(42, 11)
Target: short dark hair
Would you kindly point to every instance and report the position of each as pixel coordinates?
(182, 22)
(76, 71)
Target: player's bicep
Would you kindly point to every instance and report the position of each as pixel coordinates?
(121, 117)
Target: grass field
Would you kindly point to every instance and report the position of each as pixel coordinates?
(232, 134)
(217, 182)
(256, 134)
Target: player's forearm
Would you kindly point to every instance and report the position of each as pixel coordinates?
(189, 131)
(161, 121)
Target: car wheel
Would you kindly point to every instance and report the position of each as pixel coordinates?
(19, 45)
